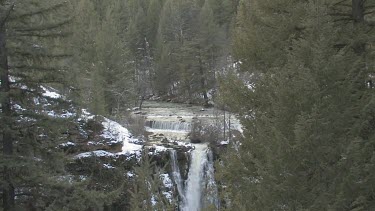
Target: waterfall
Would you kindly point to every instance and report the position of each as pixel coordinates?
(194, 183)
(169, 125)
(174, 122)
(176, 175)
(201, 190)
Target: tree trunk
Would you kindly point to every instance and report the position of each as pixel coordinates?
(224, 125)
(203, 81)
(8, 189)
(141, 99)
(358, 10)
(229, 127)
(358, 15)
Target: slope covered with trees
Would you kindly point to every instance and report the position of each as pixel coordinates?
(131, 50)
(309, 137)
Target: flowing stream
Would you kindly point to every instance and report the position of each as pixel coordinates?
(175, 120)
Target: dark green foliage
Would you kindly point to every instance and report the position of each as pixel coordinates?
(131, 49)
(190, 42)
(147, 192)
(32, 56)
(307, 124)
(103, 73)
(97, 183)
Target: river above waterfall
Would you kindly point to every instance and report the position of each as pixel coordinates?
(174, 120)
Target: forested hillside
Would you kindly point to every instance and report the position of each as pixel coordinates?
(130, 50)
(309, 116)
(298, 75)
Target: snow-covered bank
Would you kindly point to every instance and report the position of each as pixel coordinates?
(115, 134)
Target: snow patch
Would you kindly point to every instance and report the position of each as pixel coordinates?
(117, 134)
(51, 94)
(108, 166)
(67, 144)
(166, 180)
(98, 153)
(130, 174)
(18, 107)
(86, 115)
(115, 131)
(64, 115)
(158, 149)
(224, 142)
(168, 195)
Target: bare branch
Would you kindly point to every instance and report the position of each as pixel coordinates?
(45, 27)
(341, 14)
(41, 11)
(4, 19)
(47, 34)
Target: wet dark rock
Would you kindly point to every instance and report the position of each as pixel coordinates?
(208, 105)
(195, 140)
(164, 140)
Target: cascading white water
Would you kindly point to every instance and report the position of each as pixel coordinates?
(194, 183)
(176, 174)
(169, 125)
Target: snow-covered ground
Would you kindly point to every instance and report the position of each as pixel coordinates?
(117, 134)
(51, 93)
(168, 184)
(112, 131)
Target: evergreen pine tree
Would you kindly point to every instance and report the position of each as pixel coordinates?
(32, 56)
(146, 194)
(308, 96)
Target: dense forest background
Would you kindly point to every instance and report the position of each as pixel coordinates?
(298, 72)
(131, 50)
